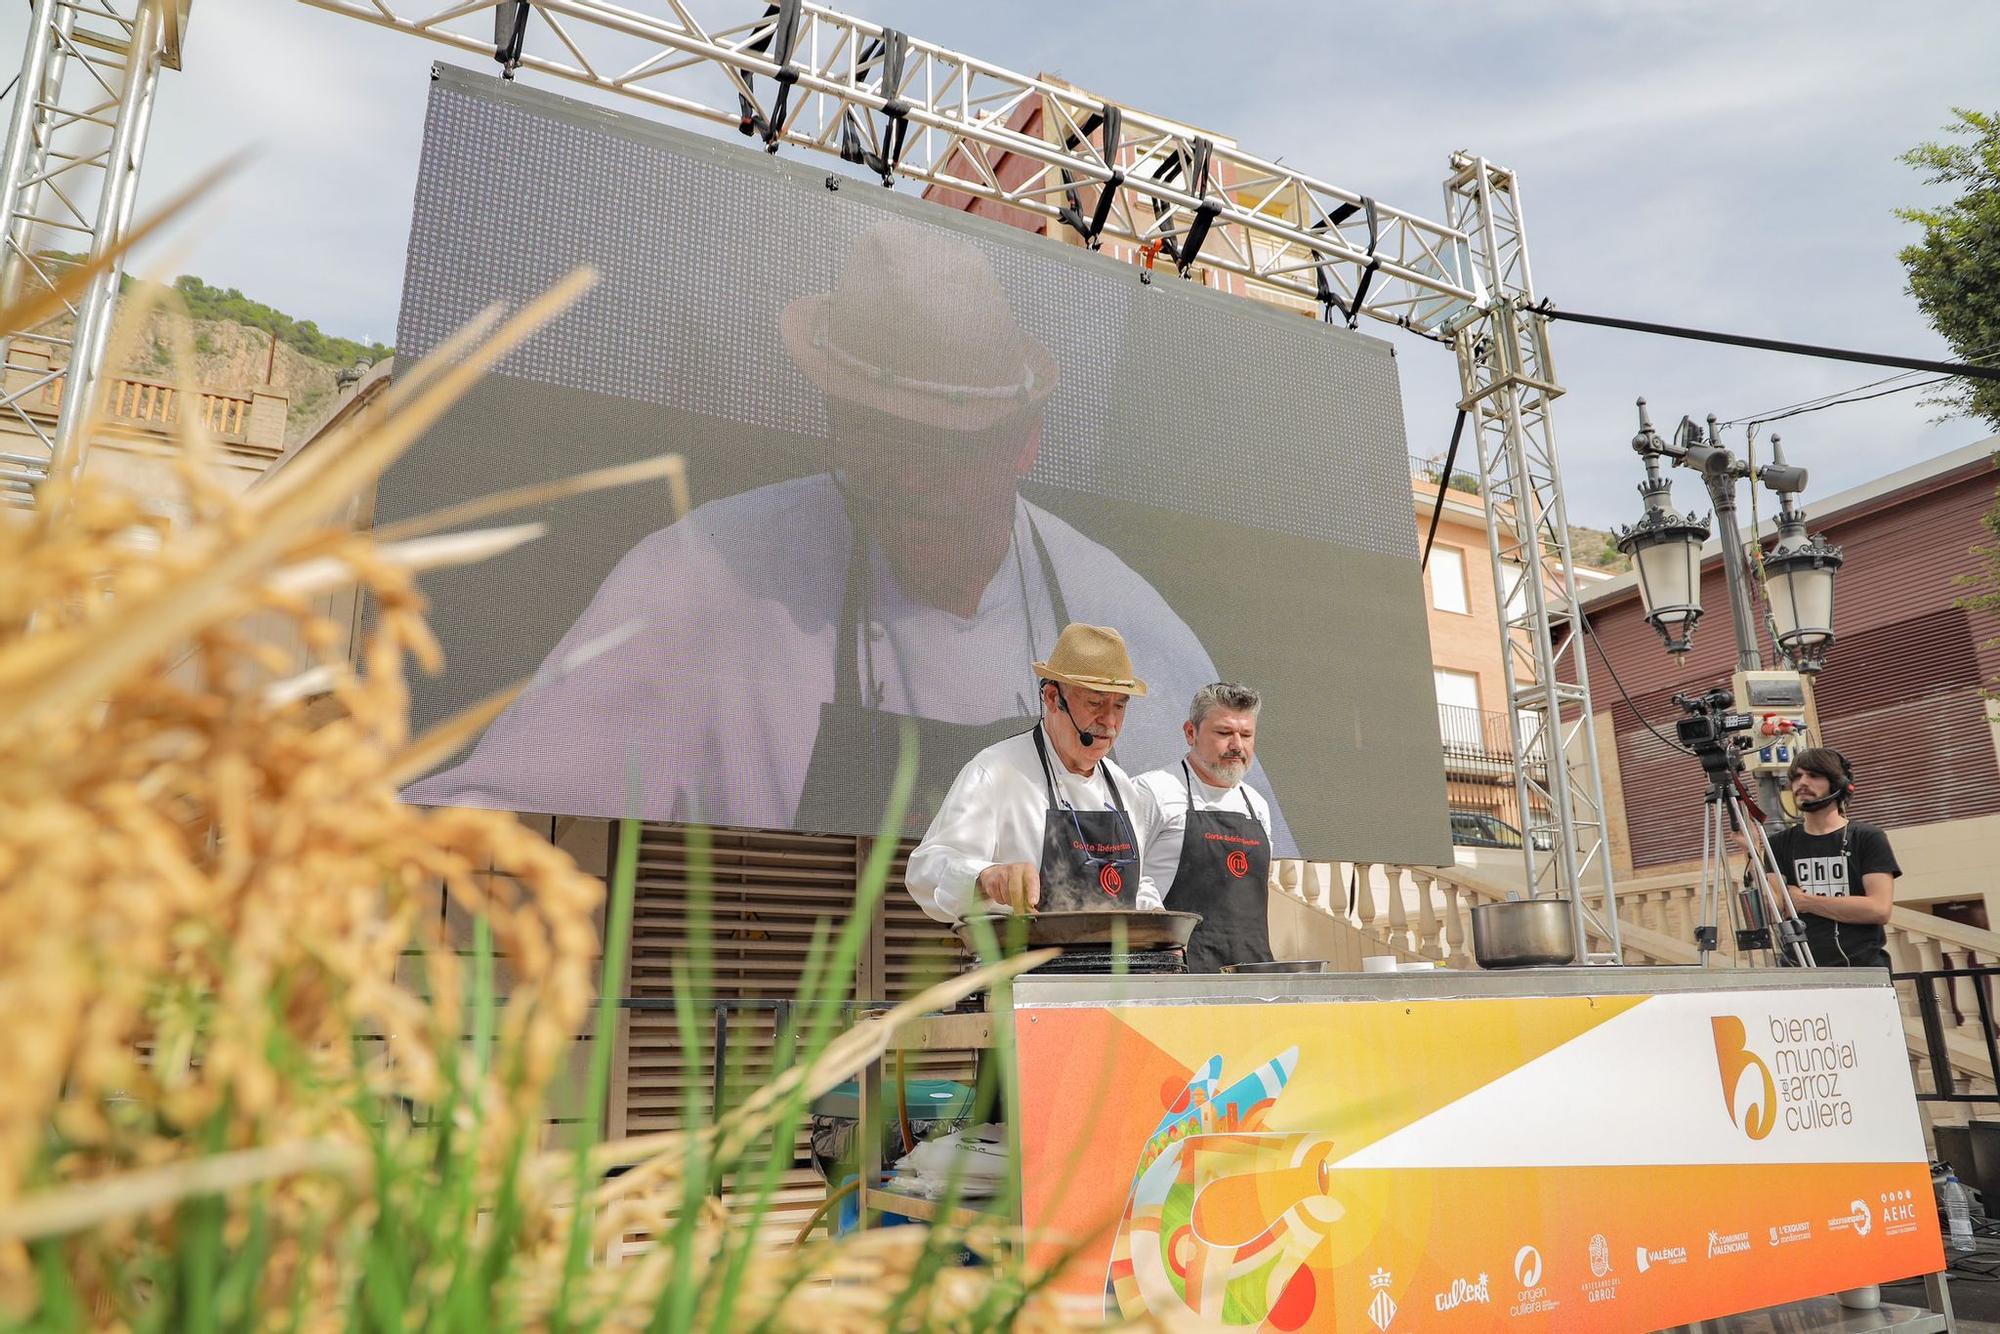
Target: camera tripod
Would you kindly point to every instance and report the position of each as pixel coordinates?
(1763, 920)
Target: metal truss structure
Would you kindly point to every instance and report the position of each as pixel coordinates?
(801, 75)
(75, 140)
(1507, 385)
(798, 75)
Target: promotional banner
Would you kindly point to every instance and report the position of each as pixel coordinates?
(1557, 1163)
(918, 443)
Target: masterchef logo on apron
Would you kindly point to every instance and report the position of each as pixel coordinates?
(1110, 881)
(1225, 860)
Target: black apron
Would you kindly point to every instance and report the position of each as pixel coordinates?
(853, 762)
(1090, 859)
(1224, 874)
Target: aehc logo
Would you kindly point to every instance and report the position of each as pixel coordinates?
(1758, 1112)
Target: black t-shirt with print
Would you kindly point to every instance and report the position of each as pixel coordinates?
(1833, 865)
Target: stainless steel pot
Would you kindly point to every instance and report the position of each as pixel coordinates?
(1523, 933)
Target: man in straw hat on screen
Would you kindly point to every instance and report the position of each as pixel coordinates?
(1045, 820)
(756, 663)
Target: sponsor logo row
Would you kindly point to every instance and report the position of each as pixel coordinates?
(1530, 1295)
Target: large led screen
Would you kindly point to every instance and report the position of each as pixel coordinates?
(919, 443)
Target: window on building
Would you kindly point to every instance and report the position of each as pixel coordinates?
(1516, 590)
(1448, 580)
(1459, 689)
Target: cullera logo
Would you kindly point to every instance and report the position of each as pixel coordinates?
(1734, 1059)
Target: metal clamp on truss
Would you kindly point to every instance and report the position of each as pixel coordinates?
(510, 34)
(1184, 249)
(1204, 212)
(778, 40)
(1091, 229)
(892, 49)
(1329, 299)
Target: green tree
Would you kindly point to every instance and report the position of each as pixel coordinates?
(1954, 271)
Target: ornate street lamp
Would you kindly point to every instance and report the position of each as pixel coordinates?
(1665, 547)
(1799, 576)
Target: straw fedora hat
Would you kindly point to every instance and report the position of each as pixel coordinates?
(918, 328)
(1091, 657)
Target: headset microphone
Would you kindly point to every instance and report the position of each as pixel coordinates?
(1087, 738)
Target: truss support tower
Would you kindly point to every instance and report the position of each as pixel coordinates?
(1507, 385)
(75, 138)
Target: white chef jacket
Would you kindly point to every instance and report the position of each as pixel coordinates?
(691, 687)
(1167, 790)
(994, 814)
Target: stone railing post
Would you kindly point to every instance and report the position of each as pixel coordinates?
(1457, 935)
(1364, 897)
(1399, 911)
(1285, 877)
(1428, 943)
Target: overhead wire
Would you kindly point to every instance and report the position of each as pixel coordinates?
(1989, 352)
(1625, 694)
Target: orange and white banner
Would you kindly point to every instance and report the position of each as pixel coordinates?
(1558, 1163)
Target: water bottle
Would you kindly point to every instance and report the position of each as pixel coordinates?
(1958, 1209)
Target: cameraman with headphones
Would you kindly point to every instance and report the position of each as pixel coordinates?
(1841, 874)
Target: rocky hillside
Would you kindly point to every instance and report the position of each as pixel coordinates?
(238, 345)
(1595, 547)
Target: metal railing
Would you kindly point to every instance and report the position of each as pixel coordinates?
(1475, 739)
(1464, 471)
(1937, 1053)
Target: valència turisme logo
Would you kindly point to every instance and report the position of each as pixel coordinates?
(1804, 1083)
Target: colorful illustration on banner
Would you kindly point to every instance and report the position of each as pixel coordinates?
(1224, 1217)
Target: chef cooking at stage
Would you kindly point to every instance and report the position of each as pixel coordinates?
(1044, 820)
(1209, 845)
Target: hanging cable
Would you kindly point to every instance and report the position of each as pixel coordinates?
(1444, 484)
(1548, 311)
(1990, 352)
(1843, 402)
(1625, 694)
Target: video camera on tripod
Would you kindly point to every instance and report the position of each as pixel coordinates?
(1718, 736)
(1709, 724)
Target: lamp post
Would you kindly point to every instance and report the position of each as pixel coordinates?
(1666, 552)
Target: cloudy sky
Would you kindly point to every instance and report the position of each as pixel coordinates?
(1728, 164)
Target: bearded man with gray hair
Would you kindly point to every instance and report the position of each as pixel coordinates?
(1208, 849)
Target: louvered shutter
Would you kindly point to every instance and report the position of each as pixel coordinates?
(770, 890)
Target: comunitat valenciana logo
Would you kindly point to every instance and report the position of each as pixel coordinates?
(1747, 1089)
(1804, 1082)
